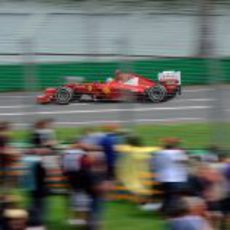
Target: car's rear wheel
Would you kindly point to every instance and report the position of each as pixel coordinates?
(64, 95)
(156, 93)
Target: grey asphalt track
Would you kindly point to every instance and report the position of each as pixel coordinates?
(196, 104)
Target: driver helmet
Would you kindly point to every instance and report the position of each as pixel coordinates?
(118, 75)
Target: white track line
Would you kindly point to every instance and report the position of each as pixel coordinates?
(71, 123)
(102, 111)
(21, 106)
(195, 99)
(134, 120)
(36, 106)
(196, 90)
(14, 106)
(15, 96)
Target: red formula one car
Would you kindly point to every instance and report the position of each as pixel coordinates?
(124, 86)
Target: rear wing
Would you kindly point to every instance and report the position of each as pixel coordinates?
(167, 75)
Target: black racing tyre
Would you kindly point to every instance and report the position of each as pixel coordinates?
(63, 96)
(157, 93)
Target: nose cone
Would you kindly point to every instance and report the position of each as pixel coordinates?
(43, 99)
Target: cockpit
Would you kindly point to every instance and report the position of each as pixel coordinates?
(132, 81)
(124, 78)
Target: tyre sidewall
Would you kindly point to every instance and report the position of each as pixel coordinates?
(162, 93)
(63, 95)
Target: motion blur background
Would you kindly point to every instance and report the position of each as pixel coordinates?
(44, 41)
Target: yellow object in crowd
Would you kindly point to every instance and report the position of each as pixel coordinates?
(134, 168)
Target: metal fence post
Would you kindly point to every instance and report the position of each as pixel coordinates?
(124, 50)
(207, 50)
(30, 79)
(31, 84)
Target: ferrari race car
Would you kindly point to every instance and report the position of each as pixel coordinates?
(123, 87)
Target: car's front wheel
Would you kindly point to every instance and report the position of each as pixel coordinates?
(64, 95)
(156, 93)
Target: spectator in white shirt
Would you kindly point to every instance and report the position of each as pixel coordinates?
(170, 167)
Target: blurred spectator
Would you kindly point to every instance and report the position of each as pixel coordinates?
(226, 201)
(197, 182)
(85, 171)
(189, 214)
(107, 143)
(170, 166)
(71, 164)
(76, 177)
(91, 137)
(34, 182)
(104, 141)
(8, 155)
(211, 185)
(100, 186)
(15, 219)
(213, 155)
(4, 159)
(43, 135)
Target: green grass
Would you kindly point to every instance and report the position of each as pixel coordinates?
(192, 135)
(125, 216)
(117, 216)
